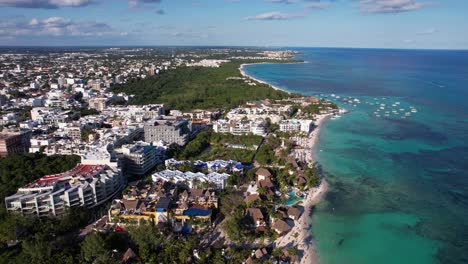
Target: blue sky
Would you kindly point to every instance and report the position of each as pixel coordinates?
(432, 24)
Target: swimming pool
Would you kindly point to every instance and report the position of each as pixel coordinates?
(293, 199)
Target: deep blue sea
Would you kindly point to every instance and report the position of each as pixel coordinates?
(398, 163)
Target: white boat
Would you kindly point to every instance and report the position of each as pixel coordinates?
(414, 110)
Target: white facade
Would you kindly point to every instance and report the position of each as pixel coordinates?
(257, 127)
(296, 125)
(219, 179)
(85, 185)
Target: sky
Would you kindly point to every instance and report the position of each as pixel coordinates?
(420, 24)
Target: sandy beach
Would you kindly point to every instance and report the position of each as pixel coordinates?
(303, 240)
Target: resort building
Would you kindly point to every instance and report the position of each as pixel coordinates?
(84, 185)
(140, 157)
(256, 127)
(210, 166)
(281, 227)
(167, 130)
(191, 178)
(263, 109)
(255, 217)
(296, 125)
(159, 202)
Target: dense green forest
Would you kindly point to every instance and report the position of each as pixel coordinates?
(209, 145)
(188, 88)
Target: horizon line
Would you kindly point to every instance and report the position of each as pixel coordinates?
(224, 46)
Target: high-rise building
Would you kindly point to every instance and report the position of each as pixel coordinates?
(167, 130)
(14, 141)
(140, 157)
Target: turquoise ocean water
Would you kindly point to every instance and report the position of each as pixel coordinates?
(398, 163)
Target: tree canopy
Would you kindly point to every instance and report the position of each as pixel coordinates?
(187, 88)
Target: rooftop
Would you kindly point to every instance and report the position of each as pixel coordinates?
(80, 171)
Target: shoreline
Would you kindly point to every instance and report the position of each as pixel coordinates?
(244, 74)
(303, 240)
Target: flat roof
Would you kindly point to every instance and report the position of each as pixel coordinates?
(79, 171)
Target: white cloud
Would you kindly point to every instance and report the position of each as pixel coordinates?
(48, 4)
(137, 3)
(390, 6)
(316, 5)
(189, 34)
(275, 16)
(428, 31)
(55, 26)
(281, 1)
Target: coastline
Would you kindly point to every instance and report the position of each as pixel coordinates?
(303, 240)
(244, 74)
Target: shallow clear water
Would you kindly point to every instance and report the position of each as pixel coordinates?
(399, 186)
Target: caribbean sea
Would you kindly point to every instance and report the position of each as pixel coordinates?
(398, 163)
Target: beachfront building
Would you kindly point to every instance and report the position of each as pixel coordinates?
(262, 109)
(85, 185)
(297, 125)
(236, 127)
(216, 179)
(255, 217)
(281, 227)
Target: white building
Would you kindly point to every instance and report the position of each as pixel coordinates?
(219, 179)
(140, 157)
(256, 127)
(84, 185)
(297, 125)
(40, 142)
